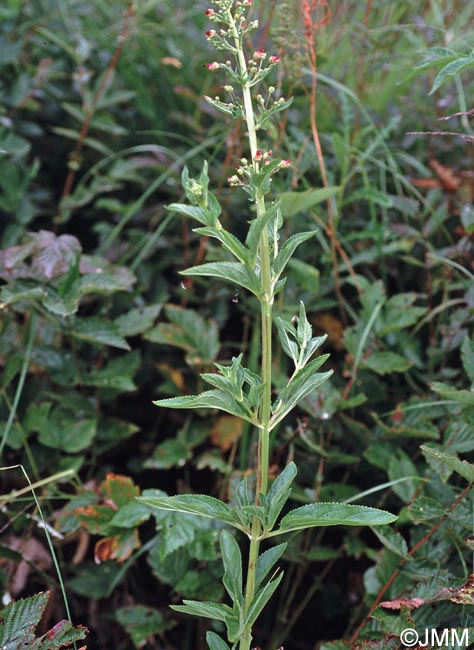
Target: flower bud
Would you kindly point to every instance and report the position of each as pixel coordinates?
(209, 13)
(210, 33)
(212, 66)
(258, 156)
(259, 55)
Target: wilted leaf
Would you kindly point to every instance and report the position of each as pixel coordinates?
(226, 430)
(398, 603)
(142, 623)
(118, 547)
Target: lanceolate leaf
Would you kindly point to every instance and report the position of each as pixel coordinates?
(451, 69)
(267, 561)
(232, 561)
(287, 250)
(196, 504)
(228, 240)
(233, 272)
(303, 382)
(332, 514)
(210, 399)
(261, 599)
(257, 226)
(216, 611)
(215, 642)
(195, 212)
(279, 493)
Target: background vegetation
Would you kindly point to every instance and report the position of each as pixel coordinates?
(102, 107)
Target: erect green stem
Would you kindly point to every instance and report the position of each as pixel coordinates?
(266, 302)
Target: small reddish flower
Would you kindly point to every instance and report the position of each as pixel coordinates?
(213, 66)
(209, 13)
(286, 163)
(210, 33)
(274, 59)
(247, 3)
(258, 156)
(259, 54)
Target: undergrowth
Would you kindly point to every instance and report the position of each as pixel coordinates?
(102, 109)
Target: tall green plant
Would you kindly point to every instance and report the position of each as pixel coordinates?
(258, 265)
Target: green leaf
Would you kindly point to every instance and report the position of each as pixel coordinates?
(141, 623)
(301, 384)
(303, 274)
(210, 399)
(332, 514)
(267, 561)
(461, 467)
(384, 363)
(103, 278)
(196, 504)
(137, 321)
(18, 293)
(261, 599)
(287, 250)
(215, 642)
(130, 515)
(425, 508)
(451, 69)
(233, 272)
(228, 240)
(216, 611)
(170, 453)
(67, 431)
(372, 195)
(194, 212)
(20, 619)
(257, 226)
(232, 561)
(188, 330)
(279, 493)
(464, 397)
(294, 202)
(401, 466)
(392, 540)
(467, 357)
(398, 313)
(98, 331)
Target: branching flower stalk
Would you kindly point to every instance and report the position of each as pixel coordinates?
(258, 265)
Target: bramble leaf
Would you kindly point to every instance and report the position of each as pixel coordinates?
(461, 467)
